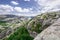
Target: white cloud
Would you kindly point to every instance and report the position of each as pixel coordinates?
(5, 9)
(9, 9)
(30, 8)
(27, 14)
(35, 0)
(26, 0)
(19, 9)
(48, 5)
(15, 3)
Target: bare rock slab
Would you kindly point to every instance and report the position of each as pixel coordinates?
(51, 33)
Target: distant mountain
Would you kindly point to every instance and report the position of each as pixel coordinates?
(11, 16)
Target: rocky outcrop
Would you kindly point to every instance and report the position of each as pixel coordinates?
(50, 33)
(5, 33)
(41, 22)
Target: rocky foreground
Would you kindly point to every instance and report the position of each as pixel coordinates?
(45, 25)
(51, 33)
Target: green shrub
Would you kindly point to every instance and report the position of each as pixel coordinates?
(20, 34)
(35, 26)
(3, 23)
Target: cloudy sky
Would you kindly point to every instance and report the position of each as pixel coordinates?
(28, 7)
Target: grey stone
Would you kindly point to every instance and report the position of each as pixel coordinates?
(50, 33)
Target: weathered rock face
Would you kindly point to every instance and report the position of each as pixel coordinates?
(5, 33)
(51, 33)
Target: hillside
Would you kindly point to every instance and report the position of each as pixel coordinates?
(33, 25)
(50, 33)
(41, 22)
(9, 23)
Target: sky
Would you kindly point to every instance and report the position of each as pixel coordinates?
(28, 7)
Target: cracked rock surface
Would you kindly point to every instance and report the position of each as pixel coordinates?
(50, 33)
